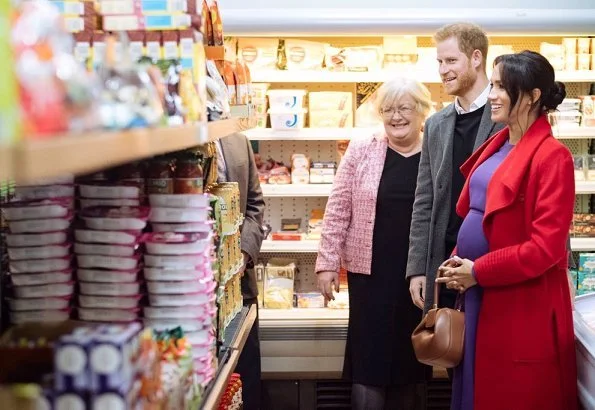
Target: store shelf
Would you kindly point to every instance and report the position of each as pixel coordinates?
(234, 344)
(279, 76)
(296, 190)
(582, 244)
(77, 154)
(305, 246)
(574, 132)
(585, 187)
(309, 134)
(321, 317)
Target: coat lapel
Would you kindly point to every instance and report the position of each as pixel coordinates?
(447, 130)
(507, 180)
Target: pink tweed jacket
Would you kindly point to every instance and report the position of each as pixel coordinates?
(348, 224)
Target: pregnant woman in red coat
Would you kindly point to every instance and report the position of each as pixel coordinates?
(511, 252)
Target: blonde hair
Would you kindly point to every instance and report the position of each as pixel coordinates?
(470, 37)
(394, 89)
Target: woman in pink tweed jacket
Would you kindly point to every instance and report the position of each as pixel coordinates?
(366, 230)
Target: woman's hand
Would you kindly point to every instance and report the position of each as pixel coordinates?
(325, 284)
(457, 273)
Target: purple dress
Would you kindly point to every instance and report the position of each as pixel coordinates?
(471, 244)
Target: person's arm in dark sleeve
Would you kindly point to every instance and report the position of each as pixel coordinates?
(252, 234)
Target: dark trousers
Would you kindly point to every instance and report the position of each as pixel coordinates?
(249, 365)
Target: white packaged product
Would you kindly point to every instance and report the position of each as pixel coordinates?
(50, 303)
(88, 203)
(102, 249)
(108, 315)
(179, 215)
(109, 191)
(39, 252)
(39, 316)
(110, 289)
(201, 337)
(115, 219)
(32, 279)
(107, 262)
(203, 226)
(65, 179)
(107, 276)
(171, 243)
(181, 287)
(179, 200)
(111, 237)
(176, 262)
(109, 302)
(42, 239)
(195, 299)
(45, 291)
(40, 265)
(177, 312)
(171, 274)
(41, 209)
(43, 191)
(286, 120)
(286, 100)
(40, 225)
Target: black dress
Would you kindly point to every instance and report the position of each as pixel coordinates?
(381, 313)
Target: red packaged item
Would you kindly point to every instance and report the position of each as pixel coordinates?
(29, 279)
(188, 176)
(160, 177)
(111, 237)
(41, 225)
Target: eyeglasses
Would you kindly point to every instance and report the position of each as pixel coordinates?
(404, 111)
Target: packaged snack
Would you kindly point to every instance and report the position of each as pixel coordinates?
(109, 219)
(172, 274)
(40, 265)
(40, 303)
(28, 279)
(109, 302)
(110, 276)
(42, 239)
(304, 55)
(178, 215)
(282, 120)
(329, 101)
(177, 312)
(196, 299)
(203, 226)
(18, 318)
(182, 287)
(171, 243)
(259, 53)
(108, 262)
(108, 315)
(331, 119)
(54, 290)
(39, 252)
(109, 250)
(176, 261)
(179, 201)
(101, 191)
(41, 225)
(28, 193)
(111, 237)
(88, 203)
(310, 300)
(110, 289)
(40, 209)
(187, 325)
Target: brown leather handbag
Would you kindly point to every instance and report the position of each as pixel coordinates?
(438, 339)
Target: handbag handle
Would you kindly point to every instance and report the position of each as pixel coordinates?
(458, 303)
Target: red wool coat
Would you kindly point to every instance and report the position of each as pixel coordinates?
(525, 358)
